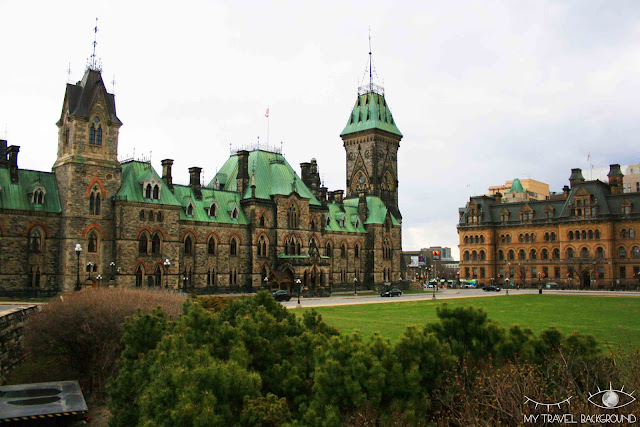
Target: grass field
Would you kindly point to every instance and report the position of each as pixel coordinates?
(612, 320)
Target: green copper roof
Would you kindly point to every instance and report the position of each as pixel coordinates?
(517, 187)
(376, 207)
(371, 112)
(225, 201)
(350, 216)
(18, 195)
(273, 176)
(131, 189)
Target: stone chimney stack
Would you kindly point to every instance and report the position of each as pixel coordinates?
(166, 172)
(3, 153)
(194, 181)
(615, 179)
(576, 177)
(565, 191)
(12, 152)
(338, 194)
(242, 179)
(322, 193)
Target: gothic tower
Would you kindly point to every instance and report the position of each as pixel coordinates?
(88, 176)
(371, 140)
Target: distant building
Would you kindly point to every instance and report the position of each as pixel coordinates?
(521, 190)
(422, 265)
(631, 180)
(585, 237)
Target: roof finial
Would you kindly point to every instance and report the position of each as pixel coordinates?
(370, 62)
(93, 63)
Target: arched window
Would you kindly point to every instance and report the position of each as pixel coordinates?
(511, 255)
(343, 251)
(533, 254)
(35, 241)
(466, 255)
(190, 209)
(147, 191)
(526, 237)
(597, 234)
(476, 239)
(600, 252)
(632, 233)
(570, 253)
(99, 135)
(522, 255)
(590, 234)
(159, 216)
(481, 239)
(263, 222)
(556, 253)
(156, 192)
(508, 238)
(92, 134)
(570, 235)
(545, 254)
(155, 244)
(636, 252)
(235, 213)
(211, 277)
(158, 276)
(483, 256)
(233, 247)
(92, 247)
(553, 237)
(142, 244)
(292, 216)
(328, 250)
(501, 255)
(139, 276)
(584, 235)
(262, 246)
(546, 237)
(533, 237)
(622, 252)
(474, 256)
(584, 253)
(188, 246)
(356, 251)
(466, 239)
(521, 238)
(142, 214)
(298, 248)
(211, 246)
(213, 210)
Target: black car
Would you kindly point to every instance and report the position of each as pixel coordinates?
(395, 292)
(281, 295)
(491, 288)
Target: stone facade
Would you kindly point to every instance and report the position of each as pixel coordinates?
(585, 238)
(136, 228)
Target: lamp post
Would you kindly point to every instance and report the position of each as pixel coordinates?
(113, 270)
(435, 285)
(184, 283)
(167, 264)
(266, 282)
(539, 284)
(99, 280)
(299, 283)
(89, 266)
(78, 251)
(355, 286)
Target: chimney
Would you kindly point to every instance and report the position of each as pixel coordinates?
(498, 197)
(338, 196)
(3, 153)
(13, 162)
(566, 190)
(194, 181)
(363, 210)
(242, 179)
(615, 179)
(576, 177)
(166, 172)
(323, 195)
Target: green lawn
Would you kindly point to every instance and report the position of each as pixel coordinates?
(613, 320)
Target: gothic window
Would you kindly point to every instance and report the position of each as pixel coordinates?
(92, 134)
(262, 222)
(213, 210)
(99, 135)
(94, 202)
(139, 276)
(155, 244)
(35, 241)
(158, 276)
(233, 247)
(600, 252)
(262, 246)
(35, 277)
(141, 214)
(328, 220)
(233, 277)
(188, 246)
(211, 277)
(343, 251)
(298, 248)
(38, 196)
(356, 251)
(328, 250)
(211, 246)
(147, 191)
(292, 216)
(156, 192)
(92, 247)
(159, 216)
(235, 212)
(143, 243)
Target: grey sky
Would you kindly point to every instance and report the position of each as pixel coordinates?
(483, 92)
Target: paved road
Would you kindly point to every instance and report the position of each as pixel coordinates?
(441, 294)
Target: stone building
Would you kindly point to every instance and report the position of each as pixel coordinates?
(585, 237)
(257, 223)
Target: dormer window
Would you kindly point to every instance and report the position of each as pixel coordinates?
(190, 209)
(328, 220)
(37, 198)
(357, 223)
(151, 189)
(235, 212)
(626, 207)
(213, 210)
(342, 222)
(504, 216)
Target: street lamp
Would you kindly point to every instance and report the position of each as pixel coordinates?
(434, 288)
(355, 286)
(78, 251)
(167, 264)
(184, 283)
(99, 280)
(113, 270)
(299, 283)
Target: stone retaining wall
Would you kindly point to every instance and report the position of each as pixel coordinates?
(11, 338)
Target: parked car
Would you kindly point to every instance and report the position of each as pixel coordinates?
(491, 288)
(552, 285)
(281, 295)
(395, 292)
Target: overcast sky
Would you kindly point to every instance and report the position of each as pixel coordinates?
(483, 91)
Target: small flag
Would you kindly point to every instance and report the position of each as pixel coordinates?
(267, 113)
(589, 157)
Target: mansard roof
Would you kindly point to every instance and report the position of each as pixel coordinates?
(18, 196)
(81, 97)
(131, 190)
(371, 111)
(608, 205)
(377, 210)
(273, 176)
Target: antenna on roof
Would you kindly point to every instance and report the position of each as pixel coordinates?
(371, 87)
(370, 62)
(93, 64)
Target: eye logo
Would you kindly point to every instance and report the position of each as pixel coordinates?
(611, 399)
(548, 405)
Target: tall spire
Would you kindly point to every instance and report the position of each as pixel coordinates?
(92, 62)
(371, 87)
